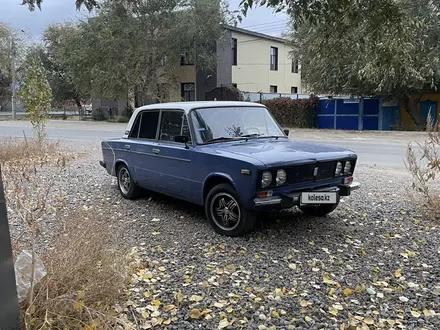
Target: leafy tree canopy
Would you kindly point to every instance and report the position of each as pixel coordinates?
(399, 60)
(136, 46)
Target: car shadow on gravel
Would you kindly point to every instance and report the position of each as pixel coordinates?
(281, 224)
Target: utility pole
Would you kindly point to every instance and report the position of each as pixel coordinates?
(13, 76)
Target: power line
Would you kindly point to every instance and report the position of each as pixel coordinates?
(264, 24)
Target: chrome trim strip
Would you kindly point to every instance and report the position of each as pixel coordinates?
(267, 201)
(154, 155)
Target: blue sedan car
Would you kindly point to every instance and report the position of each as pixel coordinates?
(230, 157)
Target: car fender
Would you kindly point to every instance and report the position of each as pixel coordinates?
(121, 161)
(217, 174)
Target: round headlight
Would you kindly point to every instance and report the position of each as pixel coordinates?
(347, 167)
(266, 179)
(281, 177)
(338, 168)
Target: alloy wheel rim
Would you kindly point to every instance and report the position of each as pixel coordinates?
(124, 180)
(225, 211)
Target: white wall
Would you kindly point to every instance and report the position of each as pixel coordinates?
(252, 72)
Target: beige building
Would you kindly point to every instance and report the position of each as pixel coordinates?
(253, 62)
(262, 63)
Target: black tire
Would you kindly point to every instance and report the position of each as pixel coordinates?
(223, 198)
(319, 210)
(128, 188)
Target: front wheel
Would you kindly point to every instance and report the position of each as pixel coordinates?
(225, 212)
(319, 210)
(126, 185)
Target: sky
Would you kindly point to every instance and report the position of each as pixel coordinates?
(260, 19)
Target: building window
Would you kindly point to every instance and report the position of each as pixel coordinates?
(295, 66)
(273, 89)
(188, 91)
(273, 58)
(294, 90)
(234, 51)
(186, 59)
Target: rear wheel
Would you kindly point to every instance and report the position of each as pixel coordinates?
(225, 212)
(319, 210)
(128, 188)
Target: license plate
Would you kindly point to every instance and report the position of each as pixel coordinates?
(319, 198)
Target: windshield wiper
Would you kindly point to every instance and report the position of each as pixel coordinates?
(222, 138)
(270, 136)
(255, 135)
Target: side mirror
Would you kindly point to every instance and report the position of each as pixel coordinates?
(286, 131)
(182, 139)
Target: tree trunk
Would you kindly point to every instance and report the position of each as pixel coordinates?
(413, 111)
(78, 106)
(131, 98)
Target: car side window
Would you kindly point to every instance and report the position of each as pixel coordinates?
(135, 129)
(149, 122)
(173, 123)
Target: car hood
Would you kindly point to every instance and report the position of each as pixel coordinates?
(281, 152)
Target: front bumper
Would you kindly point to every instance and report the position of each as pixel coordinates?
(292, 199)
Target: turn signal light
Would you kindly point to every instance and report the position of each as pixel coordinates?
(264, 194)
(348, 180)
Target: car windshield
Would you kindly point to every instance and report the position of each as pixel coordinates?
(225, 123)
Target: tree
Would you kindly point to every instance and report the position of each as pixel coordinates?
(89, 4)
(51, 55)
(36, 95)
(137, 47)
(399, 60)
(5, 64)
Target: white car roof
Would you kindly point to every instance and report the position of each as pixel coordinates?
(187, 106)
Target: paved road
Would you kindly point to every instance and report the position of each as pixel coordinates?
(376, 150)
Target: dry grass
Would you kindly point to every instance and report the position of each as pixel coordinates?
(425, 171)
(85, 276)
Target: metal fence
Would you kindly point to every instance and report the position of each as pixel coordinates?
(257, 97)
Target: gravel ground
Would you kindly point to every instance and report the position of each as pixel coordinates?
(373, 263)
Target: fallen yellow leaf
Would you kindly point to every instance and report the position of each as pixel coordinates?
(223, 324)
(196, 298)
(428, 313)
(328, 280)
(415, 314)
(308, 319)
(398, 273)
(347, 292)
(368, 320)
(195, 314)
(155, 233)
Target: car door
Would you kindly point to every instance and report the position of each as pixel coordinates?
(177, 171)
(144, 162)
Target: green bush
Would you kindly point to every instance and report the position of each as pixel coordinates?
(122, 119)
(127, 112)
(300, 113)
(99, 114)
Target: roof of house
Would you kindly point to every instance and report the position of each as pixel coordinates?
(255, 34)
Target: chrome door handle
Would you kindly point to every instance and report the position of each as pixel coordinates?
(156, 151)
(127, 146)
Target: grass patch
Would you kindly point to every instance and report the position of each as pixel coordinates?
(86, 270)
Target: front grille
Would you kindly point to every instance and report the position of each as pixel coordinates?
(300, 174)
(304, 173)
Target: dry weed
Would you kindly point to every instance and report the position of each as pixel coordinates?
(425, 171)
(85, 277)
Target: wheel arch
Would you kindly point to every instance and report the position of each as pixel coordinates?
(118, 163)
(213, 180)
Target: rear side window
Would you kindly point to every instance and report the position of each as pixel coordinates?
(149, 122)
(135, 129)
